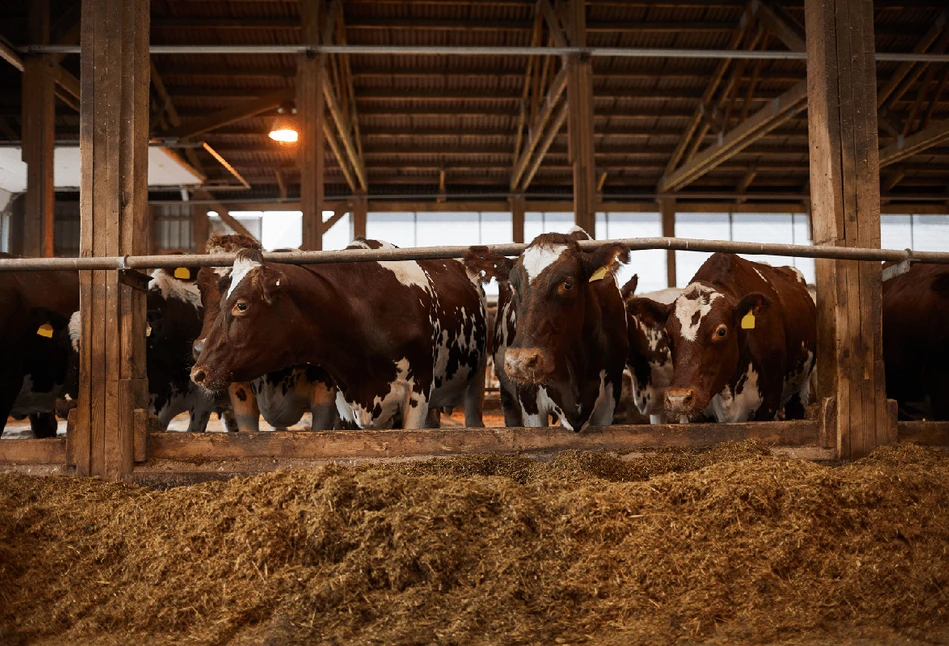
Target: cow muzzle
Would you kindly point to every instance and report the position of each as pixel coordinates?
(681, 401)
(528, 365)
(214, 383)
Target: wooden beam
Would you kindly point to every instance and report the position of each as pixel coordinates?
(224, 214)
(231, 114)
(518, 206)
(580, 128)
(754, 128)
(360, 215)
(904, 68)
(845, 199)
(281, 183)
(528, 77)
(667, 211)
(200, 226)
(113, 388)
(311, 92)
(544, 145)
(342, 130)
(39, 134)
(556, 90)
(336, 217)
(905, 147)
(783, 24)
(553, 23)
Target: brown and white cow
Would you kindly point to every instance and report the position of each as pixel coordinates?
(650, 357)
(916, 341)
(397, 337)
(280, 396)
(23, 390)
(560, 340)
(743, 339)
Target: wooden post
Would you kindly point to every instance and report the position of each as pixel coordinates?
(39, 133)
(518, 206)
(310, 72)
(199, 224)
(580, 121)
(667, 209)
(113, 201)
(845, 200)
(360, 215)
(151, 233)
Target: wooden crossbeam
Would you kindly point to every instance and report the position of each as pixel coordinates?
(922, 45)
(765, 120)
(341, 158)
(905, 147)
(342, 129)
(557, 88)
(553, 23)
(232, 114)
(544, 145)
(783, 24)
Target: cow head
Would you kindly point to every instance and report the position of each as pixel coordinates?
(650, 356)
(552, 283)
(708, 331)
(237, 346)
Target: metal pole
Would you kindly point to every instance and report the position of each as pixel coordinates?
(432, 253)
(410, 50)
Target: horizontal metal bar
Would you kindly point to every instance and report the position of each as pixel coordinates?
(435, 50)
(432, 253)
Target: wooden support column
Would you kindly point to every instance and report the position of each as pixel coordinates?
(667, 209)
(360, 214)
(199, 223)
(151, 233)
(518, 205)
(310, 72)
(113, 391)
(845, 198)
(580, 120)
(39, 133)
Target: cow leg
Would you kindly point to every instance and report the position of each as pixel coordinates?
(43, 425)
(323, 413)
(200, 416)
(658, 418)
(474, 399)
(433, 419)
(229, 421)
(246, 411)
(415, 410)
(794, 409)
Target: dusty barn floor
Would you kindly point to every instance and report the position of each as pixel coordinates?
(731, 545)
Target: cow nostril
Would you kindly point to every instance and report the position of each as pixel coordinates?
(198, 376)
(687, 399)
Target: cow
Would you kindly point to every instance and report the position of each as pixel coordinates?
(916, 341)
(650, 357)
(396, 337)
(560, 341)
(743, 340)
(280, 396)
(23, 378)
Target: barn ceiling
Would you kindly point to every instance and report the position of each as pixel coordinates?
(455, 125)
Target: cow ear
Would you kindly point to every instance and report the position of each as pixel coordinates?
(578, 233)
(649, 311)
(750, 307)
(606, 259)
(271, 281)
(630, 287)
(485, 265)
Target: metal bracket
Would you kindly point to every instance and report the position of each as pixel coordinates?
(134, 279)
(898, 269)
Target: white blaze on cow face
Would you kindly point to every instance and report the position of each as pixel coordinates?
(692, 306)
(536, 259)
(242, 267)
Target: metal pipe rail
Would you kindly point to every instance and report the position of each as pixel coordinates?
(436, 50)
(432, 253)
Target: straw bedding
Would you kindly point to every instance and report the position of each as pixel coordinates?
(729, 545)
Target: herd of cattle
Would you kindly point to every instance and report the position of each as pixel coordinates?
(391, 344)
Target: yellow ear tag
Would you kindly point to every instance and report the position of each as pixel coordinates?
(748, 321)
(148, 330)
(45, 330)
(600, 273)
(183, 273)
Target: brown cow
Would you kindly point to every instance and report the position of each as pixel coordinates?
(916, 340)
(396, 337)
(560, 339)
(743, 338)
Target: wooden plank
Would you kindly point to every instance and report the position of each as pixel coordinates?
(528, 78)
(772, 116)
(224, 214)
(552, 131)
(553, 23)
(580, 127)
(342, 129)
(844, 180)
(231, 115)
(48, 451)
(923, 433)
(340, 156)
(360, 215)
(667, 211)
(518, 207)
(387, 444)
(905, 147)
(310, 97)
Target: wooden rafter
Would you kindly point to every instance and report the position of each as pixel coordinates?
(537, 129)
(231, 114)
(785, 27)
(922, 45)
(905, 147)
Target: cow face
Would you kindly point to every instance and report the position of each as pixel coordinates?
(707, 334)
(650, 356)
(238, 345)
(551, 284)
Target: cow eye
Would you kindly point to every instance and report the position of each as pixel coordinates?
(568, 284)
(721, 331)
(242, 306)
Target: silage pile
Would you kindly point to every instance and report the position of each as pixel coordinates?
(729, 545)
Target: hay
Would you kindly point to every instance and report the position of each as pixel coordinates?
(722, 546)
